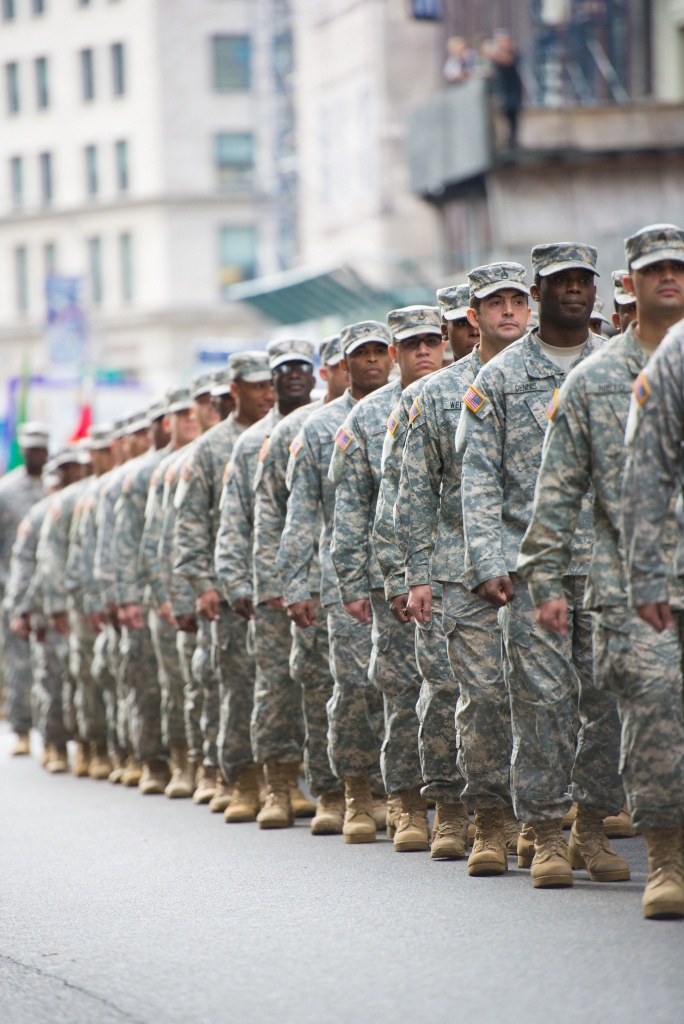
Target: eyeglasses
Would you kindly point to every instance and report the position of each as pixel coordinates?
(429, 340)
(293, 367)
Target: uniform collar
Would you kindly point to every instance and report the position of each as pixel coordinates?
(634, 353)
(537, 364)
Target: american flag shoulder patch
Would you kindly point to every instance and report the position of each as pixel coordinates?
(473, 399)
(392, 423)
(415, 411)
(552, 407)
(24, 529)
(186, 471)
(642, 391)
(263, 451)
(170, 474)
(343, 439)
(154, 478)
(226, 471)
(296, 446)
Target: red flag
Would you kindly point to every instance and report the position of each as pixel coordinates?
(85, 420)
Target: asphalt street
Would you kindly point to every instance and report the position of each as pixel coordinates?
(122, 909)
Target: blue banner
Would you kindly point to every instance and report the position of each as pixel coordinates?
(66, 332)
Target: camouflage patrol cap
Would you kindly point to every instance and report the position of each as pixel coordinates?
(119, 427)
(597, 311)
(552, 257)
(353, 336)
(178, 400)
(494, 277)
(100, 436)
(330, 351)
(250, 366)
(620, 294)
(71, 453)
(410, 321)
(290, 350)
(201, 384)
(454, 301)
(33, 434)
(157, 409)
(654, 243)
(220, 382)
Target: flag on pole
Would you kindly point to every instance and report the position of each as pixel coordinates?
(20, 417)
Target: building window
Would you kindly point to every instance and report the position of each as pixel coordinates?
(237, 254)
(12, 80)
(42, 84)
(121, 158)
(87, 76)
(8, 10)
(17, 181)
(234, 156)
(95, 270)
(118, 69)
(126, 261)
(39, 6)
(231, 63)
(45, 161)
(91, 170)
(49, 259)
(21, 278)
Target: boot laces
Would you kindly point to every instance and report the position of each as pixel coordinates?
(551, 837)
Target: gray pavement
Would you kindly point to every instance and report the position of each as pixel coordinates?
(122, 909)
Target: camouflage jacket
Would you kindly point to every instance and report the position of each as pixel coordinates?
(179, 591)
(81, 584)
(270, 505)
(129, 521)
(233, 555)
(22, 592)
(18, 491)
(148, 566)
(503, 423)
(355, 469)
(53, 547)
(197, 503)
(654, 470)
(105, 521)
(311, 489)
(428, 518)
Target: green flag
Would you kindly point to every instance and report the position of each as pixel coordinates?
(21, 416)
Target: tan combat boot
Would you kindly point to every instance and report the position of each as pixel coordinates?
(301, 807)
(619, 826)
(329, 817)
(413, 828)
(221, 797)
(206, 785)
(511, 831)
(277, 810)
(664, 893)
(359, 823)
(132, 772)
(81, 764)
(182, 782)
(551, 865)
(525, 846)
(154, 778)
(569, 818)
(450, 832)
(244, 802)
(380, 811)
(488, 856)
(100, 766)
(117, 772)
(589, 848)
(393, 814)
(57, 761)
(21, 746)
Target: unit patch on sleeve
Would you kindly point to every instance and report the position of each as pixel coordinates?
(552, 407)
(473, 399)
(343, 439)
(296, 446)
(642, 391)
(392, 423)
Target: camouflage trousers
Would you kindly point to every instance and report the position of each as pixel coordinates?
(49, 666)
(356, 722)
(16, 668)
(310, 667)
(394, 671)
(104, 673)
(549, 677)
(277, 727)
(483, 712)
(170, 679)
(234, 665)
(186, 646)
(139, 687)
(436, 710)
(89, 705)
(644, 670)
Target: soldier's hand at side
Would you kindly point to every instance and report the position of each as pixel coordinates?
(186, 622)
(359, 610)
(302, 613)
(498, 591)
(208, 604)
(97, 621)
(657, 614)
(400, 610)
(275, 602)
(165, 612)
(19, 625)
(130, 616)
(60, 623)
(553, 615)
(244, 608)
(420, 602)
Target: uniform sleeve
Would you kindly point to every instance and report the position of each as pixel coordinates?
(416, 508)
(297, 543)
(52, 557)
(22, 566)
(350, 471)
(179, 591)
(270, 511)
(384, 538)
(148, 565)
(233, 555)
(193, 531)
(92, 597)
(104, 560)
(128, 526)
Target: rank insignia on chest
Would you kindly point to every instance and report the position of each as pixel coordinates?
(414, 412)
(226, 471)
(473, 399)
(343, 439)
(642, 391)
(552, 407)
(392, 424)
(186, 471)
(296, 446)
(263, 451)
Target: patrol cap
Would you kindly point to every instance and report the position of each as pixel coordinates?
(410, 321)
(492, 277)
(119, 427)
(178, 400)
(330, 352)
(291, 350)
(100, 436)
(220, 382)
(597, 311)
(72, 453)
(552, 257)
(201, 384)
(137, 421)
(157, 409)
(250, 366)
(353, 336)
(33, 434)
(654, 243)
(620, 294)
(454, 301)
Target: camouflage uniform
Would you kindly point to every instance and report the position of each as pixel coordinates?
(355, 716)
(503, 422)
